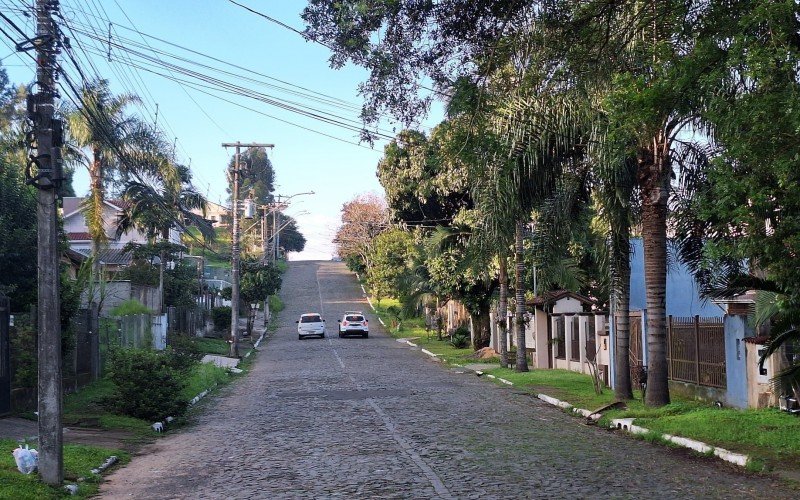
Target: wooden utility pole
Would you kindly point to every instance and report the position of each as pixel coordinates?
(48, 177)
(235, 242)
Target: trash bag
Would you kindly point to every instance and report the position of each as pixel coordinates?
(27, 460)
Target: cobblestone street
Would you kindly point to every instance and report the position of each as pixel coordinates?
(365, 418)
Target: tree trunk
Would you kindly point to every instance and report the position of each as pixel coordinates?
(653, 173)
(519, 312)
(502, 313)
(481, 325)
(161, 282)
(621, 318)
(95, 224)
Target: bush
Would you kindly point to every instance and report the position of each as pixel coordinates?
(128, 307)
(184, 351)
(221, 317)
(149, 383)
(460, 338)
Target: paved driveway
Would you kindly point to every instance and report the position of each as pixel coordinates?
(372, 418)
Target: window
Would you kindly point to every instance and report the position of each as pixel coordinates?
(354, 318)
(310, 319)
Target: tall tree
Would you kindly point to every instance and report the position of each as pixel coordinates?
(99, 129)
(363, 218)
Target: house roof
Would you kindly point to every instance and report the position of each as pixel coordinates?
(760, 340)
(554, 296)
(749, 297)
(110, 256)
(72, 204)
(80, 236)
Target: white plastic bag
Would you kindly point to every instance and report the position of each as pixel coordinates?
(27, 460)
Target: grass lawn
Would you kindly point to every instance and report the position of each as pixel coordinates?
(88, 406)
(204, 376)
(769, 436)
(78, 462)
(208, 345)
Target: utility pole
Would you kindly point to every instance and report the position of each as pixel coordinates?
(275, 232)
(235, 242)
(264, 236)
(47, 179)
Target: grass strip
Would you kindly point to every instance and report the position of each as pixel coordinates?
(79, 460)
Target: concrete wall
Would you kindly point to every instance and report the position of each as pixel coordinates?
(736, 329)
(116, 292)
(683, 294)
(567, 305)
(760, 393)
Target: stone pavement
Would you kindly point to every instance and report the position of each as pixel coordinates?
(367, 418)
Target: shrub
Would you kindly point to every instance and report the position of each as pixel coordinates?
(128, 307)
(184, 351)
(149, 383)
(221, 317)
(276, 305)
(460, 338)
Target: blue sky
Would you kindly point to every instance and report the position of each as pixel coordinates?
(303, 160)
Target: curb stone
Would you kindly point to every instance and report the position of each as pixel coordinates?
(627, 425)
(73, 488)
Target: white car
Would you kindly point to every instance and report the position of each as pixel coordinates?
(354, 323)
(310, 324)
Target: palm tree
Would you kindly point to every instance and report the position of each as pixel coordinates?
(627, 61)
(100, 126)
(162, 204)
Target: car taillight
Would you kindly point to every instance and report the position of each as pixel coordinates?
(344, 323)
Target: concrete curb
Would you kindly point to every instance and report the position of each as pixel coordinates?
(626, 424)
(72, 489)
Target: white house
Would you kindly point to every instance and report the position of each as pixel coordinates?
(111, 256)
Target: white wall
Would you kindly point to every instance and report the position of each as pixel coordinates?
(567, 305)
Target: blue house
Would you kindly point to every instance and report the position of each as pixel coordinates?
(683, 294)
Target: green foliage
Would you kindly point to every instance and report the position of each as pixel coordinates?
(208, 345)
(181, 285)
(221, 316)
(363, 219)
(204, 376)
(79, 460)
(390, 256)
(150, 384)
(128, 307)
(258, 281)
(292, 240)
(22, 338)
(460, 338)
(184, 352)
(257, 175)
(18, 229)
(140, 272)
(276, 305)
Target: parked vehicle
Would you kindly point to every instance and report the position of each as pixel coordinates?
(354, 323)
(310, 325)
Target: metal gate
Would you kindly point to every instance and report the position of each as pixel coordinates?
(5, 357)
(635, 348)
